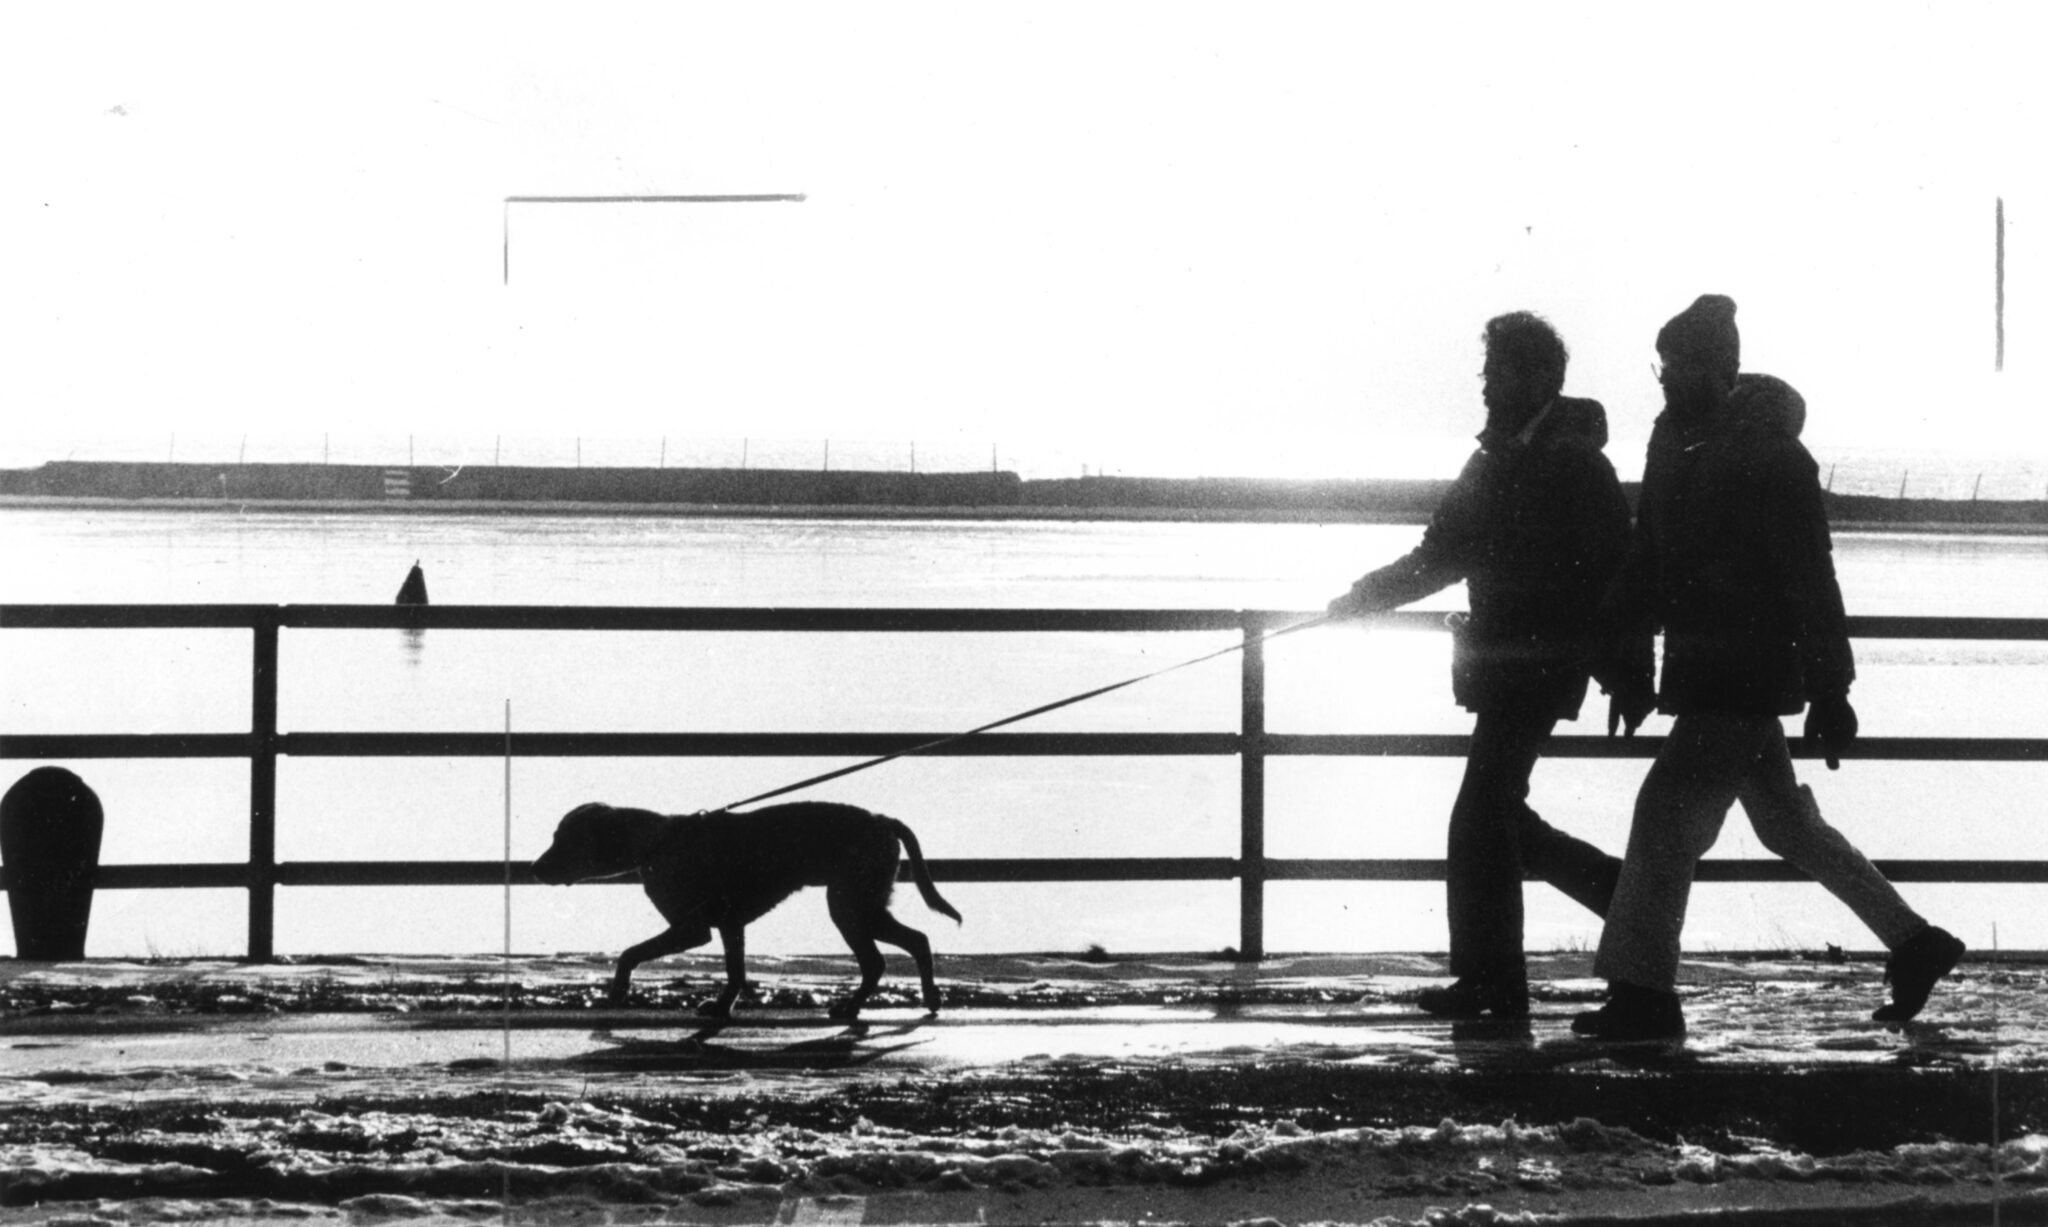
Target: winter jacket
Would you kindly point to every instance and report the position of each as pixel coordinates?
(1734, 561)
(1537, 530)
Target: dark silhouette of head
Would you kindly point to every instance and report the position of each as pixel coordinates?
(1699, 352)
(1525, 362)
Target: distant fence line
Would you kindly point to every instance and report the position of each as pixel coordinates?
(659, 451)
(1993, 479)
(534, 487)
(1252, 744)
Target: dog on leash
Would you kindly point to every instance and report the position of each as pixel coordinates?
(723, 871)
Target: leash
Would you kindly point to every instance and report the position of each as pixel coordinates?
(1069, 701)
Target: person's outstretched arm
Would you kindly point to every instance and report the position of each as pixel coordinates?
(1441, 559)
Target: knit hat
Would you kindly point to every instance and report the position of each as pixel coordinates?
(1704, 332)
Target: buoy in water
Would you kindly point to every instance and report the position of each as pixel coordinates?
(414, 590)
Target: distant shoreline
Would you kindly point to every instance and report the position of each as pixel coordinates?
(866, 511)
(840, 494)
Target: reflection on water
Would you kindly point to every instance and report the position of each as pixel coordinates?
(412, 644)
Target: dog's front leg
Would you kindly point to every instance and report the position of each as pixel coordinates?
(735, 971)
(674, 941)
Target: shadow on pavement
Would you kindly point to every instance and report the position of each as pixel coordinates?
(853, 1046)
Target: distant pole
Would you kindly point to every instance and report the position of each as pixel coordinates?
(991, 457)
(408, 451)
(579, 451)
(172, 454)
(506, 980)
(1977, 487)
(743, 453)
(497, 448)
(242, 453)
(913, 455)
(323, 449)
(1831, 479)
(1998, 363)
(1902, 482)
(664, 452)
(828, 455)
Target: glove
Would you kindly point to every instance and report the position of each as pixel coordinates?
(1831, 725)
(1628, 706)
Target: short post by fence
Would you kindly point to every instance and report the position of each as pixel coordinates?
(1251, 870)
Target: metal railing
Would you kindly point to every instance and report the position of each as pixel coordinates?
(1252, 744)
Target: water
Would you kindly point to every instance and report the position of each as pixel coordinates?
(1325, 681)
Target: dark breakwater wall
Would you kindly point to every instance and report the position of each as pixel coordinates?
(416, 483)
(727, 487)
(1390, 500)
(1870, 509)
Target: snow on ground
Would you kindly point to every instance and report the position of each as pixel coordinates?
(1050, 1089)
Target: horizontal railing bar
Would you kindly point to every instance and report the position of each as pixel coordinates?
(747, 745)
(131, 617)
(658, 618)
(164, 877)
(949, 870)
(736, 618)
(1909, 627)
(1024, 869)
(1710, 870)
(632, 618)
(988, 745)
(1453, 745)
(127, 745)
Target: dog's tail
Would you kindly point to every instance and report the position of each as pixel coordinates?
(918, 873)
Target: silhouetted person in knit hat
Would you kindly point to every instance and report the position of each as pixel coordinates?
(1733, 560)
(1536, 526)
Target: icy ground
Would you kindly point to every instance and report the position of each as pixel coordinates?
(1147, 1089)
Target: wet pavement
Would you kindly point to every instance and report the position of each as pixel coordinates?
(538, 1016)
(1033, 1056)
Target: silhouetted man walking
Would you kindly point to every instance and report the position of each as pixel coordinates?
(1537, 527)
(1733, 560)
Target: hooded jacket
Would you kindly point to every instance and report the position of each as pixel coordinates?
(1537, 529)
(1740, 567)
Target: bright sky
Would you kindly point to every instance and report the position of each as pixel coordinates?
(1160, 237)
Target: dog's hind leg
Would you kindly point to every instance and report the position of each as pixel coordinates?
(735, 972)
(674, 941)
(889, 929)
(855, 917)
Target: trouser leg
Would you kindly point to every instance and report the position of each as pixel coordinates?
(1788, 822)
(1678, 815)
(1584, 873)
(1483, 864)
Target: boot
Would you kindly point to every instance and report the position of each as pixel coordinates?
(1633, 1013)
(1471, 997)
(1914, 967)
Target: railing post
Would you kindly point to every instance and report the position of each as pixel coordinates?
(263, 791)
(1251, 881)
